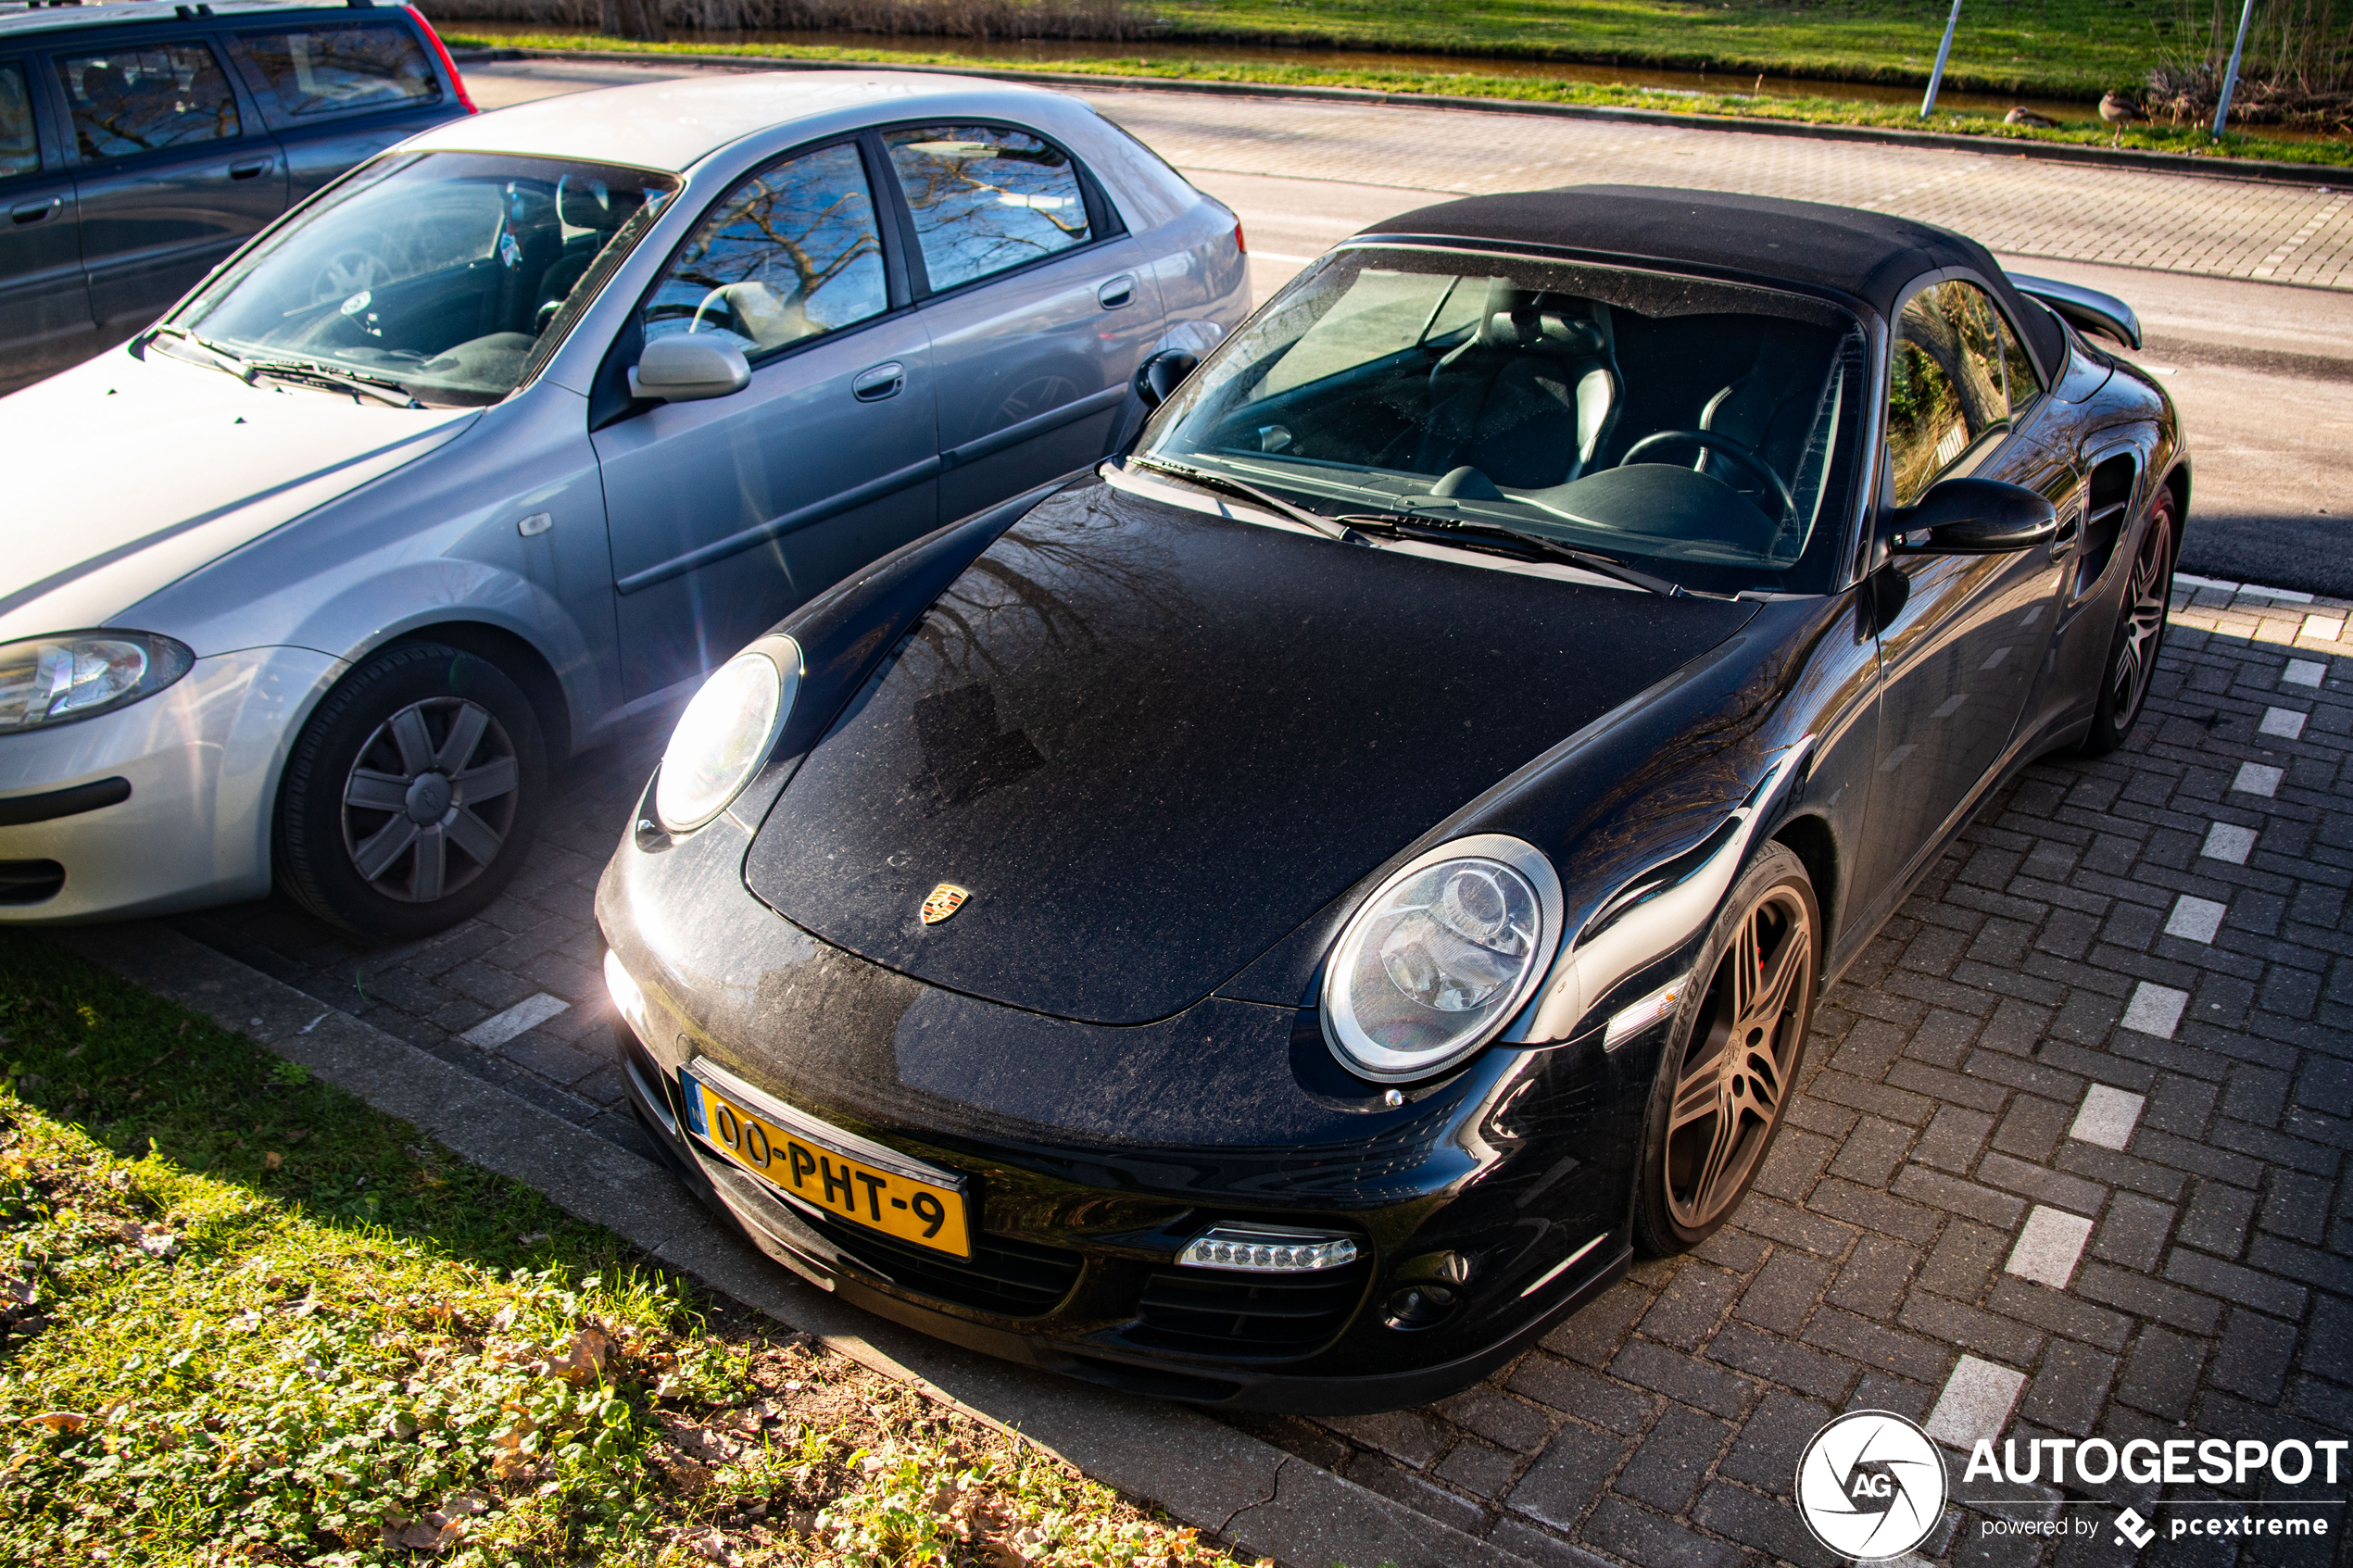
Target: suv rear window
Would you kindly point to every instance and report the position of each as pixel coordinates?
(147, 96)
(19, 153)
(325, 69)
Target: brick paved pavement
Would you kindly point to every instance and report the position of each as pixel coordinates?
(2073, 1129)
(2017, 206)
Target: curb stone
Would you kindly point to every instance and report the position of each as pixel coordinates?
(1207, 1475)
(2258, 170)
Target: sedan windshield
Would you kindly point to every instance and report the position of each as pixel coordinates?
(437, 277)
(1703, 433)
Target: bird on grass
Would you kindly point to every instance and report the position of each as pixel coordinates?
(2120, 112)
(2020, 115)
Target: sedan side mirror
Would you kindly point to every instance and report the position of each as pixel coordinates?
(1162, 374)
(687, 366)
(1974, 517)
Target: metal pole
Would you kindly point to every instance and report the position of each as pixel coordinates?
(2231, 77)
(1936, 77)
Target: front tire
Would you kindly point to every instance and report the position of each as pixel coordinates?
(413, 793)
(1730, 1067)
(2139, 635)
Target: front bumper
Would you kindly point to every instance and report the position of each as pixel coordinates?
(881, 1279)
(1097, 1153)
(201, 759)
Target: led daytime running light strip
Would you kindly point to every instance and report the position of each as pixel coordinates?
(1266, 1251)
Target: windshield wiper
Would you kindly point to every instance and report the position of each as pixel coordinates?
(1459, 532)
(218, 356)
(310, 372)
(1300, 515)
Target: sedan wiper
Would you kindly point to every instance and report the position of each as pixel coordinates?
(1315, 521)
(310, 372)
(1455, 530)
(217, 356)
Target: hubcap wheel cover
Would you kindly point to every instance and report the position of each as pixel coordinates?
(430, 799)
(1737, 1071)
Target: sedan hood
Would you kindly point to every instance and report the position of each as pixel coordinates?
(1148, 743)
(134, 472)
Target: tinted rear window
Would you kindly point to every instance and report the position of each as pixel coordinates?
(147, 97)
(19, 153)
(360, 66)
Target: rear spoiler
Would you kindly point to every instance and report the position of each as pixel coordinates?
(2087, 311)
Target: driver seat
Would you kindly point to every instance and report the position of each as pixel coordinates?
(1768, 409)
(1531, 398)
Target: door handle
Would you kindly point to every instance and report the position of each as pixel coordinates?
(883, 380)
(1118, 291)
(247, 170)
(34, 211)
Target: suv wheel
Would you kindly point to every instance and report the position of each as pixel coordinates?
(412, 795)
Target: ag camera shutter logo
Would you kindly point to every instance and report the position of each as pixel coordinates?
(1871, 1486)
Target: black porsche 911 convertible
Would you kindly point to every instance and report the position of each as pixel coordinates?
(1281, 920)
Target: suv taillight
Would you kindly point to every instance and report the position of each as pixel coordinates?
(447, 63)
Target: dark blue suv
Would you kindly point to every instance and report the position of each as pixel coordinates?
(141, 143)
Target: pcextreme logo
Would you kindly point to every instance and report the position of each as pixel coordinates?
(1871, 1486)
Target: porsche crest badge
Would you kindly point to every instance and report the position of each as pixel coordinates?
(943, 901)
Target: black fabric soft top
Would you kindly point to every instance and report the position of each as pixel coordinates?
(1868, 254)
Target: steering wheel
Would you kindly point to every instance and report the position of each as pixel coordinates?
(1724, 445)
(344, 274)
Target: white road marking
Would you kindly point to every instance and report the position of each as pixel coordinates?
(500, 1027)
(2108, 1117)
(2284, 722)
(1976, 1403)
(2154, 1009)
(2228, 841)
(2048, 1247)
(2196, 919)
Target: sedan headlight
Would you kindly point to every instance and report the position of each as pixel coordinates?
(46, 681)
(1442, 956)
(726, 733)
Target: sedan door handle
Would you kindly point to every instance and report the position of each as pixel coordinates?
(34, 211)
(247, 170)
(1118, 291)
(883, 380)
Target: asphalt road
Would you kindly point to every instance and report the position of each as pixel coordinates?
(2262, 370)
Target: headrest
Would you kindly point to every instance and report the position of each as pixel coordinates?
(101, 81)
(1540, 331)
(590, 203)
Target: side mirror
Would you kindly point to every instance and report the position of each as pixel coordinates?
(1162, 374)
(687, 367)
(1974, 517)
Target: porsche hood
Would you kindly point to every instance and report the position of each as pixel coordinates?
(1146, 743)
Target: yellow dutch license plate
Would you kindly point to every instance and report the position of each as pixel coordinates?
(874, 1187)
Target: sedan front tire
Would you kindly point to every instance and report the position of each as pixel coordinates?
(413, 796)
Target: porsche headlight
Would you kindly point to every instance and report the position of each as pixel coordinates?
(726, 733)
(46, 681)
(1442, 956)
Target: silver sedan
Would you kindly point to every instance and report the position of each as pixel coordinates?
(513, 433)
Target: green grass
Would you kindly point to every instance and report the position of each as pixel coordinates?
(1820, 111)
(244, 1319)
(2065, 48)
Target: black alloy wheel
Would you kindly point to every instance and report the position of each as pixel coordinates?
(413, 796)
(2140, 632)
(1730, 1068)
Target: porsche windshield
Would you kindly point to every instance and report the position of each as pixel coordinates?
(435, 276)
(1703, 433)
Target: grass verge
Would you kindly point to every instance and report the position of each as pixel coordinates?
(1814, 111)
(245, 1318)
